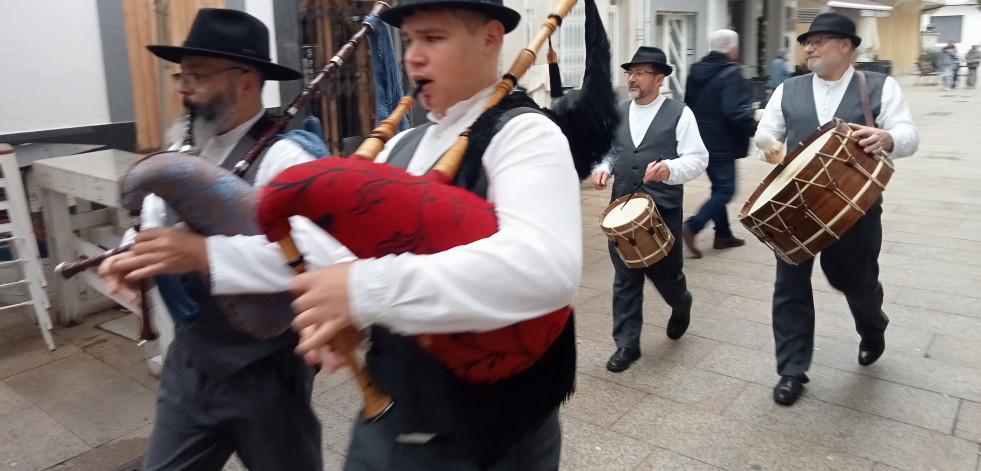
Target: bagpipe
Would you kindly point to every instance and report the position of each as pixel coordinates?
(211, 200)
(378, 209)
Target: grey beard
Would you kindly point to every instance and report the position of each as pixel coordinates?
(202, 132)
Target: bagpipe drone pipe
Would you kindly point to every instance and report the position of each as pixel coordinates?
(377, 209)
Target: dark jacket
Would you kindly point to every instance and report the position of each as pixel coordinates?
(719, 98)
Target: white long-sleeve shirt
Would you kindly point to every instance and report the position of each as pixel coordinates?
(692, 156)
(251, 264)
(531, 266)
(894, 114)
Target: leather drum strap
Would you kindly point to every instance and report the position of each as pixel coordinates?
(863, 89)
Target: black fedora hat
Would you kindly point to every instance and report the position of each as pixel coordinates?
(494, 8)
(650, 55)
(832, 23)
(228, 34)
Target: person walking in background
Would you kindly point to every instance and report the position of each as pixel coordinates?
(972, 58)
(658, 143)
(718, 96)
(779, 71)
(851, 264)
(948, 65)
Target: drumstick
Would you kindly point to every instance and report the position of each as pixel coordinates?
(632, 193)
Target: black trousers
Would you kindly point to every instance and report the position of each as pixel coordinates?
(261, 412)
(377, 447)
(852, 267)
(628, 285)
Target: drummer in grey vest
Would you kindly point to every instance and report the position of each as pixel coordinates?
(798, 107)
(658, 143)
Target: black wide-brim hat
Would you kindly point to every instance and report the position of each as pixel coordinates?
(650, 55)
(228, 34)
(493, 8)
(832, 23)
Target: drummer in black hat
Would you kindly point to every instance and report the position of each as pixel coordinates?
(657, 143)
(800, 105)
(223, 391)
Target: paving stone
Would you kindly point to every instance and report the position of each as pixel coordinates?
(109, 456)
(24, 349)
(10, 401)
(588, 446)
(969, 422)
(726, 442)
(664, 460)
(586, 295)
(945, 302)
(94, 401)
(600, 402)
(335, 429)
(951, 325)
(894, 234)
(854, 432)
(956, 351)
(911, 405)
(32, 439)
(345, 400)
(598, 275)
(592, 356)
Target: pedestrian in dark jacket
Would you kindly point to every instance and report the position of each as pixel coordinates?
(719, 98)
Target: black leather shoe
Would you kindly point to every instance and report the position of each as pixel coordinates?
(622, 358)
(870, 350)
(680, 318)
(788, 390)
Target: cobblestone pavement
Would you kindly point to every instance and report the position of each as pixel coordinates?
(699, 403)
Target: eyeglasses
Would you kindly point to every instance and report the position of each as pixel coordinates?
(193, 79)
(817, 41)
(639, 73)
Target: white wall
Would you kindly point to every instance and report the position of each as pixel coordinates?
(51, 67)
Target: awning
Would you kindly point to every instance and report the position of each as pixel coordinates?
(859, 5)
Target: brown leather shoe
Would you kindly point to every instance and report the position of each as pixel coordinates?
(689, 238)
(728, 242)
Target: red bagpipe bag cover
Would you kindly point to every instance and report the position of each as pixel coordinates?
(378, 209)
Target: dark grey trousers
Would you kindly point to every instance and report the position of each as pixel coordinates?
(374, 448)
(262, 413)
(628, 285)
(851, 265)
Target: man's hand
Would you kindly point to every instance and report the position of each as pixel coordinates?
(321, 306)
(872, 139)
(112, 272)
(325, 355)
(164, 250)
(776, 153)
(657, 172)
(599, 179)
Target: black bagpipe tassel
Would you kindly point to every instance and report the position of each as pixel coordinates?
(554, 76)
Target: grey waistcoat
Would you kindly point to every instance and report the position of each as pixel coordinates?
(207, 339)
(631, 162)
(801, 115)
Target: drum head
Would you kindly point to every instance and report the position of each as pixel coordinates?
(620, 213)
(800, 158)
